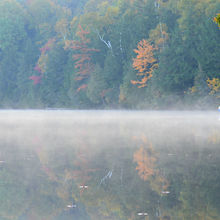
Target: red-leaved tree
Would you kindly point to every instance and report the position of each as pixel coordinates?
(40, 67)
(82, 56)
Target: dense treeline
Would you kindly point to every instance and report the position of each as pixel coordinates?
(150, 54)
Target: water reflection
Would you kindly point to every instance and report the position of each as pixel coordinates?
(109, 165)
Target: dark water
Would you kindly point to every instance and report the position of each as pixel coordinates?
(61, 165)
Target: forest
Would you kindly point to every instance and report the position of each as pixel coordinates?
(115, 54)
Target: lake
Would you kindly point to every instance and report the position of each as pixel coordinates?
(63, 164)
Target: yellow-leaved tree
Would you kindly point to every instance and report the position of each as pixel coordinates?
(144, 63)
(214, 85)
(217, 19)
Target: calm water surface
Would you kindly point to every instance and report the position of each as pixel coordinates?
(61, 165)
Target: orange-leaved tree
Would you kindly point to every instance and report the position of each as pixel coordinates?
(148, 169)
(83, 55)
(145, 160)
(144, 63)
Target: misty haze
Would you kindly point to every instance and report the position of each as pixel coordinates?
(109, 109)
(109, 165)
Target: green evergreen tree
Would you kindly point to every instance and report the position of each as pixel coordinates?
(97, 87)
(54, 94)
(112, 73)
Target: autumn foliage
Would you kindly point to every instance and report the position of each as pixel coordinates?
(36, 79)
(148, 170)
(214, 85)
(40, 67)
(217, 19)
(83, 54)
(144, 63)
(145, 159)
(159, 36)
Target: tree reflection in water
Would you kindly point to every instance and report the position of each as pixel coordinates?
(155, 167)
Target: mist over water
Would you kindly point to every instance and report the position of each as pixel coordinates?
(54, 127)
(109, 165)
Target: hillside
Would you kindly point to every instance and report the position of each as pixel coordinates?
(98, 54)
